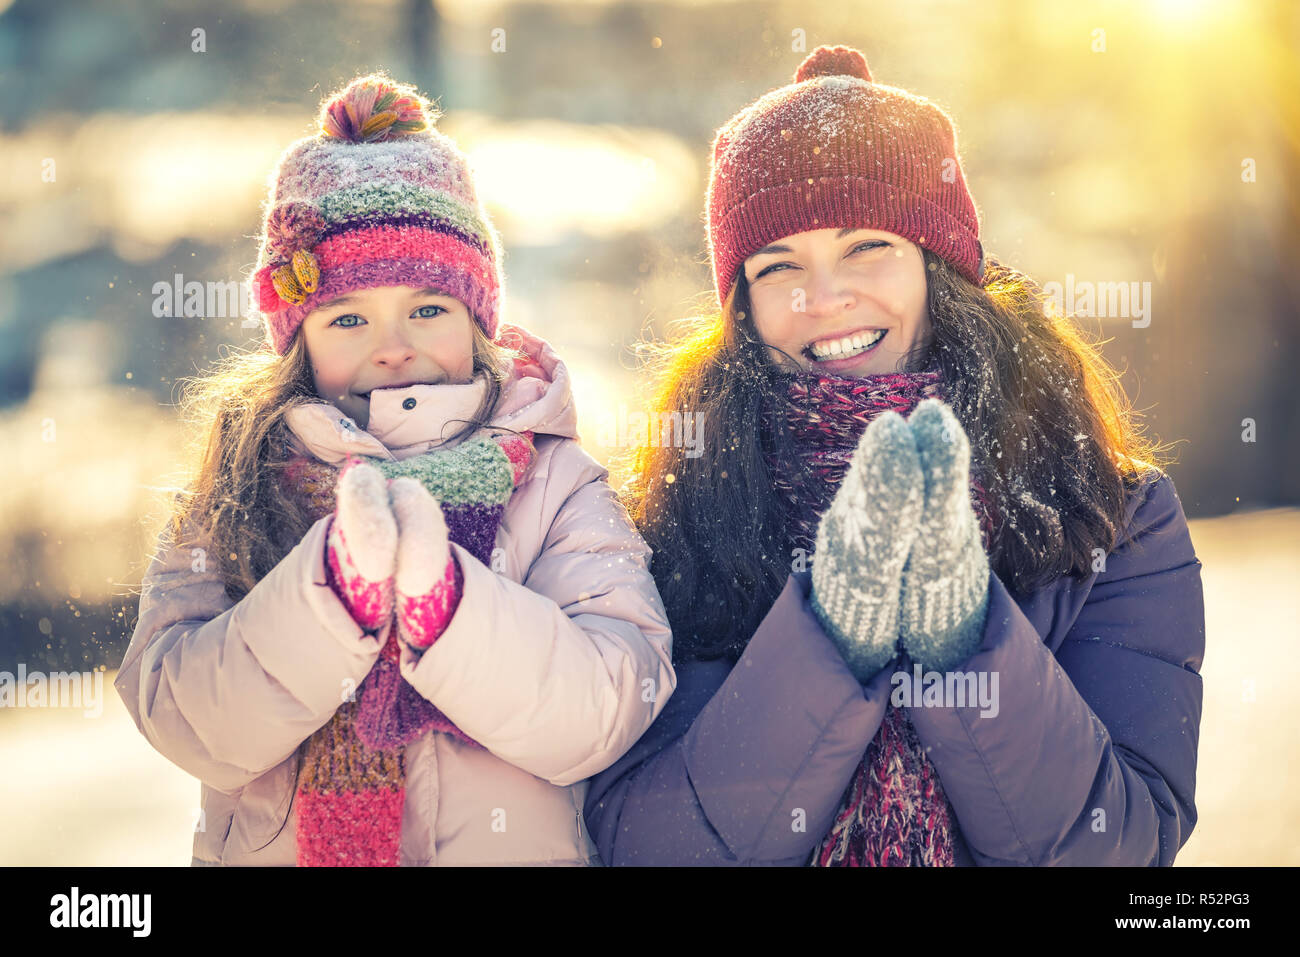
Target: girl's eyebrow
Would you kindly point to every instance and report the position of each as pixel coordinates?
(778, 248)
(417, 294)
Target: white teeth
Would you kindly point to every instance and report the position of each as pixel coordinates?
(848, 345)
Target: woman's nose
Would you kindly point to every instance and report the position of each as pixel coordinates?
(825, 295)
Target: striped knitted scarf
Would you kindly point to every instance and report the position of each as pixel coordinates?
(894, 812)
(351, 784)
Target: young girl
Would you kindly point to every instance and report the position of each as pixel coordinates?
(399, 617)
(904, 414)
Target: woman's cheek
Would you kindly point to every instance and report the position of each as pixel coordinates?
(775, 312)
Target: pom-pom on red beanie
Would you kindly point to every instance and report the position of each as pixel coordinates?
(833, 150)
(377, 197)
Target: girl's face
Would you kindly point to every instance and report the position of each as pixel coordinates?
(387, 336)
(823, 296)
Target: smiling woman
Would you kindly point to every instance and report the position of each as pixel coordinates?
(1013, 524)
(844, 302)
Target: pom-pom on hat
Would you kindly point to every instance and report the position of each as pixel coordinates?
(835, 149)
(377, 197)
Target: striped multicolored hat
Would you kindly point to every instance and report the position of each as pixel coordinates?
(377, 197)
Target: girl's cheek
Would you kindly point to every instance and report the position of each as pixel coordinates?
(463, 364)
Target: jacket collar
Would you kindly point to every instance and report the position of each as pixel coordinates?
(537, 397)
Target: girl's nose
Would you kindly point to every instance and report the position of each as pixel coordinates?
(394, 356)
(394, 351)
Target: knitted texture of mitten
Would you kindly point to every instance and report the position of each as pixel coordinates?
(944, 598)
(428, 579)
(863, 540)
(361, 546)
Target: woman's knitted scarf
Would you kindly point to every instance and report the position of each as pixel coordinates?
(894, 812)
(351, 784)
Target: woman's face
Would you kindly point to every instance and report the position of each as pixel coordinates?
(387, 336)
(824, 295)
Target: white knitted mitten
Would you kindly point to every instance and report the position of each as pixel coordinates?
(361, 545)
(426, 579)
(862, 544)
(946, 580)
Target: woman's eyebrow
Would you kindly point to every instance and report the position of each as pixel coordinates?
(778, 248)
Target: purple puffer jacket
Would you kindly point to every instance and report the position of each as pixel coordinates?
(1090, 759)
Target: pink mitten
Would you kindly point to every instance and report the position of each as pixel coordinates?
(428, 579)
(361, 545)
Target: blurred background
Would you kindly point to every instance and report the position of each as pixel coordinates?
(1128, 142)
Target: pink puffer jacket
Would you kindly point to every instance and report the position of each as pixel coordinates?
(557, 659)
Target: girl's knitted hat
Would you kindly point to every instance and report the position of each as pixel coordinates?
(835, 149)
(376, 197)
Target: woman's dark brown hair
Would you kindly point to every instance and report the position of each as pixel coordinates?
(1053, 440)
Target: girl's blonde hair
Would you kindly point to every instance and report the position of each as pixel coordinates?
(233, 499)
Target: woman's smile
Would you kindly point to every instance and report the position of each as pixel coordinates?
(838, 351)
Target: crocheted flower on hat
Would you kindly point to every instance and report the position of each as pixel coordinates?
(292, 229)
(298, 279)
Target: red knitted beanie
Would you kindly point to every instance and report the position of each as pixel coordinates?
(834, 149)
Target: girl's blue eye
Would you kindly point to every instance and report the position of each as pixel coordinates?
(857, 248)
(353, 315)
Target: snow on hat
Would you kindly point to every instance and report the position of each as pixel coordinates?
(835, 149)
(376, 197)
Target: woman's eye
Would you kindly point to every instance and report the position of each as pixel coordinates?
(764, 272)
(872, 243)
(350, 315)
(869, 244)
(433, 315)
